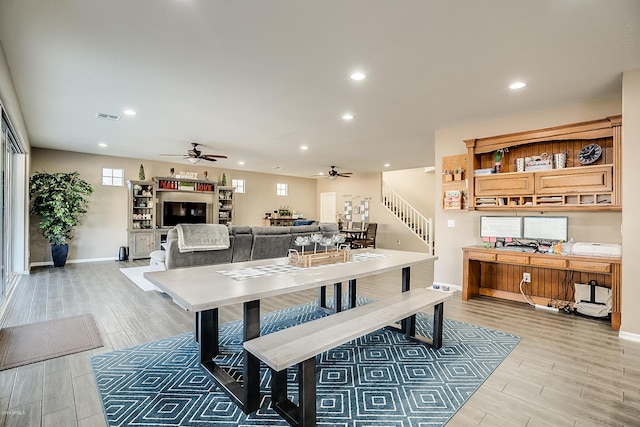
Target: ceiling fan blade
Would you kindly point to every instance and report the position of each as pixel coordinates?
(343, 175)
(213, 156)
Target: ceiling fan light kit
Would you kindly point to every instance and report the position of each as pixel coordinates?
(194, 155)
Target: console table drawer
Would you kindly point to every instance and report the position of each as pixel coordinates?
(549, 262)
(597, 267)
(513, 259)
(482, 256)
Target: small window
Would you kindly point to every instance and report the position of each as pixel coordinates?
(238, 185)
(113, 177)
(281, 189)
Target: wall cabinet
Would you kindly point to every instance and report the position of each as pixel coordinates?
(145, 230)
(225, 205)
(142, 218)
(596, 186)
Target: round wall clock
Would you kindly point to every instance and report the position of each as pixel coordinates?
(589, 154)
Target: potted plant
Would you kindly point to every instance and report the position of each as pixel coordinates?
(59, 199)
(497, 158)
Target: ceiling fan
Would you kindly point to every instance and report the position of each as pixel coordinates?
(333, 174)
(194, 155)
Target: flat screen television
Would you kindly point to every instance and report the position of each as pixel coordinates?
(174, 213)
(501, 226)
(546, 228)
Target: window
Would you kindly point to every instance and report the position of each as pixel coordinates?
(238, 185)
(113, 177)
(281, 189)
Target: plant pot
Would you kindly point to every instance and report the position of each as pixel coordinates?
(59, 254)
(498, 167)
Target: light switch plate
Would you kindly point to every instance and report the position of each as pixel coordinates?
(451, 223)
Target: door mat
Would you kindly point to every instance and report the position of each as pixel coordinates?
(35, 342)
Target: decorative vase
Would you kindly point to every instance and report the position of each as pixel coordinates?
(59, 254)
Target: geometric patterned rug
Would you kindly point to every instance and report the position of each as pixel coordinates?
(380, 379)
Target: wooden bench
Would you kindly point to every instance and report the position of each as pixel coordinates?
(299, 345)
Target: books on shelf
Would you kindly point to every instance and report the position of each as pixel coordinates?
(486, 171)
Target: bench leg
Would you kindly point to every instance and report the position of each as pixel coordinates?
(251, 368)
(303, 414)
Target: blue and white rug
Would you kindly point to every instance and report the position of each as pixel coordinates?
(381, 379)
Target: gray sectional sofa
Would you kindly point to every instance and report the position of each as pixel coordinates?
(246, 243)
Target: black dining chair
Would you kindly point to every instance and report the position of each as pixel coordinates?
(369, 238)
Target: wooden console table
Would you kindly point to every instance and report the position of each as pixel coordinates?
(498, 274)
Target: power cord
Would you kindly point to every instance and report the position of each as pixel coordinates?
(524, 296)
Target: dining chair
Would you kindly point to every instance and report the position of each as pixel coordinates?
(369, 239)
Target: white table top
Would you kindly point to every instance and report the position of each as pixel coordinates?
(202, 288)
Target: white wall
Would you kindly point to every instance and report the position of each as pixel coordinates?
(586, 226)
(631, 205)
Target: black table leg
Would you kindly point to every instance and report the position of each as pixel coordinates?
(337, 297)
(251, 369)
(352, 293)
(206, 330)
(322, 298)
(246, 394)
(406, 286)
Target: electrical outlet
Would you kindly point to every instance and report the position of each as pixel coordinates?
(526, 277)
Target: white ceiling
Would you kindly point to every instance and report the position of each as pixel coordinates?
(255, 80)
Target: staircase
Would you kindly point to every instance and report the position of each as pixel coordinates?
(410, 217)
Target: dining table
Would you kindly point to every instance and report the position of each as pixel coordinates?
(204, 290)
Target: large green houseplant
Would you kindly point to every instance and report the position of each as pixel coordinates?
(60, 199)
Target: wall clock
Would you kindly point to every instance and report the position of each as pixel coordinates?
(589, 154)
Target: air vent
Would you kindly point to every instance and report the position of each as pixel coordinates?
(108, 117)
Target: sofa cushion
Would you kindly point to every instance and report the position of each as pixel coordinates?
(242, 244)
(328, 229)
(270, 242)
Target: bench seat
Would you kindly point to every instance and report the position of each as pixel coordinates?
(298, 345)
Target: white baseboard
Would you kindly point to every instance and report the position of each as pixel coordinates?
(73, 261)
(629, 336)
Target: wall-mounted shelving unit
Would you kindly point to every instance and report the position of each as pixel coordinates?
(596, 186)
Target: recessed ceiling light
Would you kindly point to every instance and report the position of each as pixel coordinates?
(241, 163)
(348, 116)
(102, 145)
(129, 112)
(321, 173)
(304, 147)
(517, 85)
(386, 165)
(357, 76)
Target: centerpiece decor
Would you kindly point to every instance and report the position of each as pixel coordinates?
(342, 253)
(60, 199)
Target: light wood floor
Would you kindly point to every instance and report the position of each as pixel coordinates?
(566, 371)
